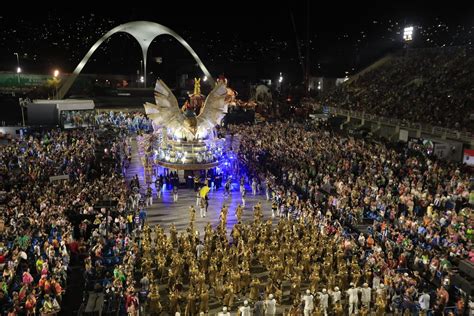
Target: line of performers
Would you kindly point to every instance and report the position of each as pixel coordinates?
(219, 269)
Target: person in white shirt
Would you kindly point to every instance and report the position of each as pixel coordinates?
(202, 208)
(424, 301)
(254, 186)
(224, 312)
(308, 303)
(324, 301)
(270, 306)
(375, 281)
(199, 249)
(335, 295)
(175, 193)
(243, 193)
(361, 240)
(198, 198)
(353, 293)
(136, 200)
(245, 310)
(366, 292)
(267, 189)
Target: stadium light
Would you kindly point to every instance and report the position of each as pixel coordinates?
(18, 69)
(408, 33)
(56, 82)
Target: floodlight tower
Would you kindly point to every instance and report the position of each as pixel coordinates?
(407, 36)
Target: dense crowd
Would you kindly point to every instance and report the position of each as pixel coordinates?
(421, 207)
(322, 184)
(38, 239)
(132, 121)
(431, 86)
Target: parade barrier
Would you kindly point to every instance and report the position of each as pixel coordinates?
(467, 268)
(60, 177)
(95, 304)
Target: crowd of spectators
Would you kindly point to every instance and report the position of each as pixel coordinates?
(326, 182)
(430, 86)
(132, 121)
(421, 207)
(38, 239)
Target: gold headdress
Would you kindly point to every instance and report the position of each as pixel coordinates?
(197, 86)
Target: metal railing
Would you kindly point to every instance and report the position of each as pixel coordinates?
(439, 131)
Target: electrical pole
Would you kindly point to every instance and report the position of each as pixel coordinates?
(298, 46)
(306, 83)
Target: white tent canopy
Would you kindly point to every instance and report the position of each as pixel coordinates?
(69, 104)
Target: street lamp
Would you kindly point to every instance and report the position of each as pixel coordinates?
(142, 78)
(56, 75)
(18, 69)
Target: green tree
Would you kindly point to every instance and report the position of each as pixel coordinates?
(53, 85)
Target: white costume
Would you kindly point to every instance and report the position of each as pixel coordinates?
(424, 301)
(353, 293)
(224, 312)
(366, 292)
(336, 296)
(324, 301)
(199, 250)
(375, 282)
(308, 303)
(198, 198)
(270, 306)
(245, 310)
(158, 191)
(243, 197)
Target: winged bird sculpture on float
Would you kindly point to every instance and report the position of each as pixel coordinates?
(187, 125)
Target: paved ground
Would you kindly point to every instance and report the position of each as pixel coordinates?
(164, 211)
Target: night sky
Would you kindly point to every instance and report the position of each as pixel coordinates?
(226, 35)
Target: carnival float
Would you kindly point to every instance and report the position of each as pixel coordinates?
(184, 136)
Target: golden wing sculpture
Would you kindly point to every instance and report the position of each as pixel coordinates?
(214, 108)
(166, 112)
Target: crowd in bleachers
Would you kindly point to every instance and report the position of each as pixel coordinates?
(322, 185)
(37, 239)
(430, 86)
(421, 207)
(133, 121)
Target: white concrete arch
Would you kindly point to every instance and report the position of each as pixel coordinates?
(144, 32)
